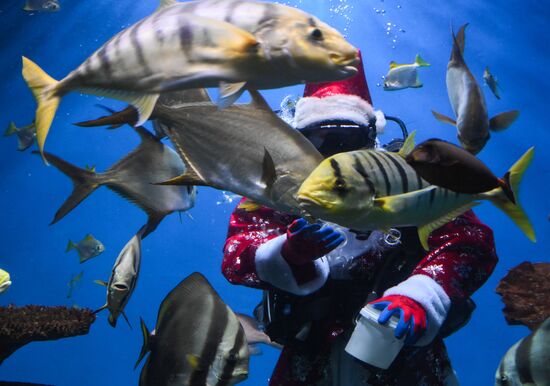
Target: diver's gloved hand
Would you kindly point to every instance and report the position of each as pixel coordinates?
(306, 242)
(412, 316)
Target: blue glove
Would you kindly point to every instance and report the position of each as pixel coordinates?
(413, 321)
(306, 242)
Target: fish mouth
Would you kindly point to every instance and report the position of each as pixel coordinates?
(348, 61)
(307, 203)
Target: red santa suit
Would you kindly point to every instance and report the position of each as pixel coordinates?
(327, 293)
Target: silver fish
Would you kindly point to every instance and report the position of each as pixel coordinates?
(198, 340)
(26, 135)
(42, 6)
(526, 362)
(246, 149)
(87, 248)
(132, 177)
(123, 279)
(468, 103)
(491, 82)
(403, 76)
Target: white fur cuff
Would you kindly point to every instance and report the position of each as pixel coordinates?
(311, 110)
(273, 269)
(431, 296)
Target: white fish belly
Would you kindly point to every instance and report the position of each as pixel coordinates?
(402, 77)
(457, 89)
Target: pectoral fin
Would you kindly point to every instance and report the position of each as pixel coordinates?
(101, 283)
(229, 93)
(408, 146)
(190, 177)
(425, 230)
(503, 120)
(444, 118)
(269, 174)
(395, 203)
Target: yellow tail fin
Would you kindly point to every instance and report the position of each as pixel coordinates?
(499, 198)
(44, 89)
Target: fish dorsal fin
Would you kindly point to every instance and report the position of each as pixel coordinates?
(395, 65)
(408, 146)
(229, 93)
(425, 230)
(444, 118)
(190, 177)
(89, 237)
(248, 205)
(165, 4)
(460, 38)
(145, 348)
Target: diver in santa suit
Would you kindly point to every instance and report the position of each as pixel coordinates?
(317, 277)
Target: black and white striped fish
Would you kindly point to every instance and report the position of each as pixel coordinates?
(373, 190)
(197, 341)
(526, 362)
(123, 279)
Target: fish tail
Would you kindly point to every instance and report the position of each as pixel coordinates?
(70, 246)
(421, 62)
(84, 181)
(12, 129)
(145, 348)
(117, 118)
(45, 91)
(506, 197)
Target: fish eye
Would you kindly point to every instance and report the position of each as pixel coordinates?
(317, 34)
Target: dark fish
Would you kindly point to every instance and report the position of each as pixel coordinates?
(197, 340)
(468, 103)
(246, 149)
(42, 6)
(443, 164)
(87, 248)
(133, 177)
(26, 135)
(526, 362)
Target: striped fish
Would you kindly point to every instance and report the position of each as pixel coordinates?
(172, 51)
(526, 362)
(468, 102)
(198, 340)
(123, 279)
(372, 190)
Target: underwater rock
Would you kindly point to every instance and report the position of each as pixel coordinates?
(525, 291)
(22, 325)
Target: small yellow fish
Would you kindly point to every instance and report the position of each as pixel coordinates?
(403, 76)
(5, 281)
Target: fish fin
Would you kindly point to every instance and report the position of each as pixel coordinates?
(444, 118)
(408, 146)
(500, 199)
(12, 129)
(145, 134)
(102, 283)
(190, 216)
(115, 120)
(391, 204)
(145, 348)
(44, 89)
(165, 4)
(425, 230)
(269, 174)
(395, 65)
(112, 321)
(101, 309)
(70, 246)
(126, 319)
(229, 93)
(89, 237)
(84, 182)
(503, 120)
(460, 38)
(193, 360)
(249, 205)
(152, 223)
(190, 177)
(254, 349)
(258, 100)
(421, 62)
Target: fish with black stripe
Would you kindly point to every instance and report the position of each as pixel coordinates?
(197, 341)
(374, 190)
(526, 362)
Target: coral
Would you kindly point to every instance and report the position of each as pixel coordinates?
(22, 325)
(525, 291)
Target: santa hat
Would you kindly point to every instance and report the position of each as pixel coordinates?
(347, 99)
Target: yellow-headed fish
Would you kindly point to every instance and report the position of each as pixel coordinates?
(374, 190)
(5, 281)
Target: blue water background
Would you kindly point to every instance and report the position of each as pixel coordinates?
(510, 36)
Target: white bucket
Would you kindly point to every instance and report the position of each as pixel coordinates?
(372, 342)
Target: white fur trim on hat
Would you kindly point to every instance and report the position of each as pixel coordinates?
(273, 269)
(311, 110)
(431, 296)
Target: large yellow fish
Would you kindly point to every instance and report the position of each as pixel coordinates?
(373, 190)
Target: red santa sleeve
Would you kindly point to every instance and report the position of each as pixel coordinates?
(252, 253)
(462, 256)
